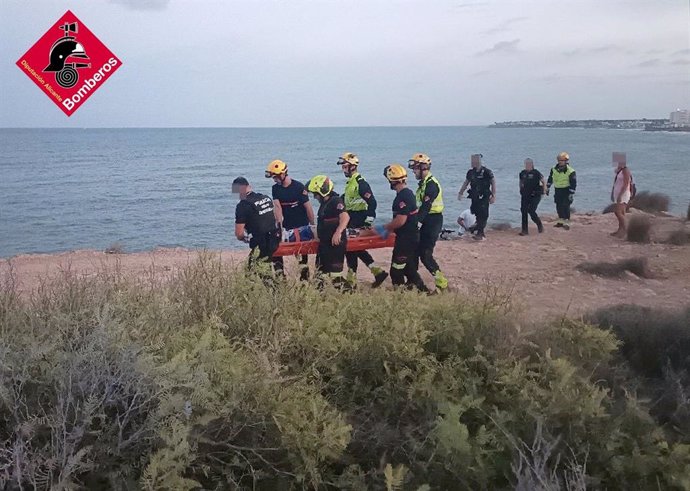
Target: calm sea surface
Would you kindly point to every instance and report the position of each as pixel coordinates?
(63, 189)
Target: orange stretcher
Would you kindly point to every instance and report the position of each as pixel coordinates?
(362, 242)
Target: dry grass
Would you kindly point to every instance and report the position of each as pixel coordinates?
(639, 229)
(638, 266)
(651, 202)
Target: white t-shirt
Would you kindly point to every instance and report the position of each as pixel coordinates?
(469, 220)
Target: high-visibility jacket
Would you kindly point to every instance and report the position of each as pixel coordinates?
(437, 204)
(353, 200)
(561, 179)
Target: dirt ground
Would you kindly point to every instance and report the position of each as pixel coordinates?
(538, 269)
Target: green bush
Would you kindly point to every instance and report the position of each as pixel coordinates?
(213, 380)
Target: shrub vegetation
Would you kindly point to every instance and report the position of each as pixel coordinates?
(213, 380)
(636, 265)
(639, 229)
(651, 202)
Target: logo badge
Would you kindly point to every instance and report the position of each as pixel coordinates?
(69, 63)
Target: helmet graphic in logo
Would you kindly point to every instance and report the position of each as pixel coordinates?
(62, 55)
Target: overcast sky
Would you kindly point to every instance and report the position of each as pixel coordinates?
(360, 62)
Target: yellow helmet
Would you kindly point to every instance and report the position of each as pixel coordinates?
(418, 159)
(348, 158)
(395, 172)
(563, 156)
(276, 168)
(320, 185)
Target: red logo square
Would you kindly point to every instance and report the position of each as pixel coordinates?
(69, 63)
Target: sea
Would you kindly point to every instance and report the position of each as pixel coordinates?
(142, 188)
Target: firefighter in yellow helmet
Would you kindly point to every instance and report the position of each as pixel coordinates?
(563, 179)
(292, 206)
(429, 215)
(360, 204)
(331, 228)
(404, 224)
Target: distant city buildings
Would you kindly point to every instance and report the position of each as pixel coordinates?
(680, 117)
(678, 122)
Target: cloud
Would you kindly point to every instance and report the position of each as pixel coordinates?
(470, 5)
(481, 73)
(681, 62)
(505, 25)
(606, 48)
(649, 63)
(143, 4)
(682, 52)
(500, 47)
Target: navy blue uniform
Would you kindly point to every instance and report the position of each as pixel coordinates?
(531, 190)
(404, 269)
(292, 199)
(480, 193)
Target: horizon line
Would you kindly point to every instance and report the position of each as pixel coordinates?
(309, 126)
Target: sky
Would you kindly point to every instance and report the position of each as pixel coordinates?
(276, 63)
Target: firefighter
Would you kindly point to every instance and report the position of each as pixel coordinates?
(360, 205)
(563, 179)
(292, 206)
(255, 223)
(429, 216)
(404, 224)
(331, 228)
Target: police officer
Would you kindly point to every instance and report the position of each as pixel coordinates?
(532, 186)
(360, 205)
(255, 222)
(292, 206)
(404, 264)
(429, 216)
(563, 179)
(332, 220)
(482, 193)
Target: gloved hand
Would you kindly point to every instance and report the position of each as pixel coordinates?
(571, 197)
(419, 225)
(369, 221)
(381, 230)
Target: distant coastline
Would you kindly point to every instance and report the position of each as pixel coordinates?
(615, 124)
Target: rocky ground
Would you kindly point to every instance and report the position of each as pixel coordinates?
(539, 270)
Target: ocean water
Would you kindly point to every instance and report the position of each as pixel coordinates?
(64, 189)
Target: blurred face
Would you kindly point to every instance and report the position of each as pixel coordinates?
(278, 178)
(562, 163)
(348, 169)
(529, 165)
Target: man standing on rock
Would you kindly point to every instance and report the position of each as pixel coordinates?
(532, 186)
(482, 193)
(564, 181)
